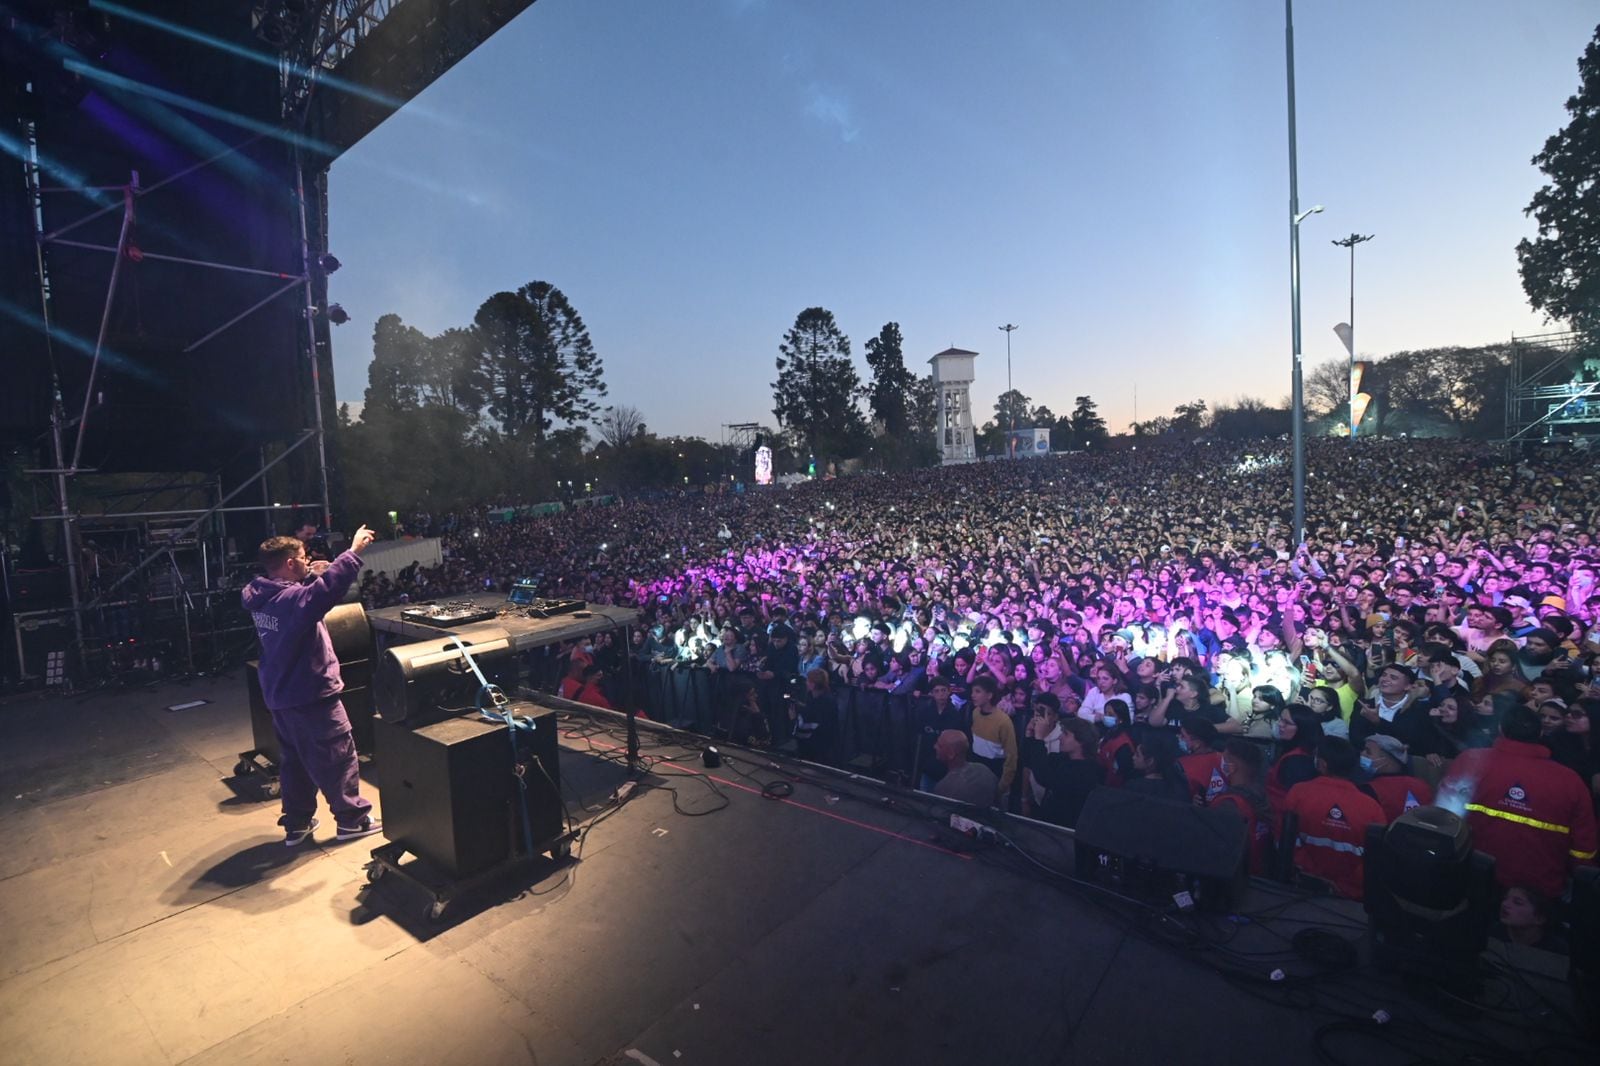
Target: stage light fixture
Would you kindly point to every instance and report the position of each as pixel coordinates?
(337, 315)
(1429, 897)
(328, 262)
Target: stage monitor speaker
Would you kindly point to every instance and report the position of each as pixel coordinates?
(1154, 848)
(432, 678)
(449, 788)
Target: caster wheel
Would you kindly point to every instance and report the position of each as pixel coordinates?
(436, 911)
(242, 768)
(374, 872)
(271, 789)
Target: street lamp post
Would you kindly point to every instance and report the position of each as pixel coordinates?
(1350, 242)
(1296, 216)
(1011, 438)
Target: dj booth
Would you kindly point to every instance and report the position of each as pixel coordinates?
(468, 774)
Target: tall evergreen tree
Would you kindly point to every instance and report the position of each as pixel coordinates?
(1088, 428)
(535, 363)
(1561, 267)
(889, 393)
(817, 385)
(399, 352)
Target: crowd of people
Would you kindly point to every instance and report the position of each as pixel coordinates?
(1141, 618)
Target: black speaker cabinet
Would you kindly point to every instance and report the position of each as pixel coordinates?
(450, 794)
(430, 679)
(1153, 848)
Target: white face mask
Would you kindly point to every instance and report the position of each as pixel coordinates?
(1277, 729)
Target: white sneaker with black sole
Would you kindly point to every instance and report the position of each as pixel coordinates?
(297, 835)
(365, 828)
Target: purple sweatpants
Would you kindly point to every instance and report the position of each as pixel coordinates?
(318, 752)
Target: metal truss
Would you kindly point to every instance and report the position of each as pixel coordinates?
(336, 28)
(1543, 393)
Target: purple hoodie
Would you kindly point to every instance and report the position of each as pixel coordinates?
(298, 665)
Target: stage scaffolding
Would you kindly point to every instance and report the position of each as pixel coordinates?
(1553, 389)
(343, 67)
(182, 573)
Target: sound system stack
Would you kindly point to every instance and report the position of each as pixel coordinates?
(450, 791)
(1156, 849)
(459, 790)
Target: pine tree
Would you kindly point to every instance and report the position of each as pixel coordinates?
(817, 385)
(1561, 267)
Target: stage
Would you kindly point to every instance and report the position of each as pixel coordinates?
(149, 913)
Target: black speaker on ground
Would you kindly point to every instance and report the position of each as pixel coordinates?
(1154, 848)
(449, 788)
(351, 634)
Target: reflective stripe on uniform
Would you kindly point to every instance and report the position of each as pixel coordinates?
(1329, 842)
(1520, 819)
(1581, 854)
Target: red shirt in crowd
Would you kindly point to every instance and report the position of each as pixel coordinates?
(1334, 815)
(1532, 814)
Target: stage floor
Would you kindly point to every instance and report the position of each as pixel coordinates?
(149, 913)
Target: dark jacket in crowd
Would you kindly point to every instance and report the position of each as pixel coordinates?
(1067, 782)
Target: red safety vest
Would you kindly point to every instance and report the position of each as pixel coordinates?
(1204, 772)
(1334, 815)
(1398, 793)
(1277, 791)
(1108, 756)
(1535, 816)
(1258, 828)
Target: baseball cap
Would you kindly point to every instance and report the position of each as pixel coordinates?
(1391, 745)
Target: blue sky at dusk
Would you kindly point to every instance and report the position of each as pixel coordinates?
(1110, 176)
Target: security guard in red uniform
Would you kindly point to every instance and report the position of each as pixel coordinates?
(1387, 759)
(1334, 813)
(1532, 814)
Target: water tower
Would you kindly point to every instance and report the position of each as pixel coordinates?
(952, 383)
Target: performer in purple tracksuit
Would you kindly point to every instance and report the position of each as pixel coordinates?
(301, 683)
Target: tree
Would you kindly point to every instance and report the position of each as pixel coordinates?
(922, 405)
(817, 385)
(1327, 388)
(398, 354)
(620, 424)
(1042, 417)
(888, 395)
(1250, 419)
(1011, 411)
(535, 363)
(1153, 427)
(1561, 267)
(1463, 386)
(448, 373)
(1188, 417)
(1088, 428)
